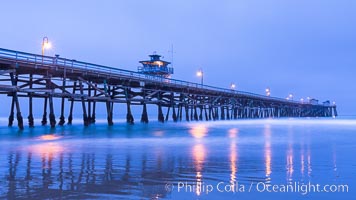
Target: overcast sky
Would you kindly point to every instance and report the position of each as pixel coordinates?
(304, 47)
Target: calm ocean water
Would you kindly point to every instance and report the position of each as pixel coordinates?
(244, 159)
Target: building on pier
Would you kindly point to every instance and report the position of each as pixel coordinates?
(314, 101)
(155, 66)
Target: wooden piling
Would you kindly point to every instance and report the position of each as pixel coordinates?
(108, 104)
(201, 113)
(174, 115)
(89, 104)
(44, 116)
(222, 113)
(30, 108)
(85, 116)
(61, 118)
(129, 117)
(52, 118)
(70, 117)
(11, 116)
(16, 101)
(160, 113)
(186, 113)
(195, 113)
(93, 117)
(167, 114)
(206, 114)
(144, 116)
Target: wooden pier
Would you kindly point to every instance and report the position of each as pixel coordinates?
(25, 75)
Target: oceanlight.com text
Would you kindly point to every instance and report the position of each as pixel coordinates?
(261, 187)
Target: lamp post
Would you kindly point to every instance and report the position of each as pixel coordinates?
(268, 92)
(233, 86)
(45, 44)
(290, 97)
(201, 75)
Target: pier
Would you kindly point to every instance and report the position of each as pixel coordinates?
(26, 75)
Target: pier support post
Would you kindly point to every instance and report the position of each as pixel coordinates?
(160, 114)
(109, 117)
(201, 113)
(61, 118)
(70, 117)
(195, 113)
(44, 117)
(52, 118)
(167, 114)
(144, 116)
(180, 107)
(227, 113)
(335, 111)
(89, 104)
(222, 113)
(108, 104)
(11, 116)
(216, 113)
(186, 113)
(16, 101)
(174, 115)
(235, 112)
(206, 113)
(30, 110)
(92, 119)
(210, 112)
(85, 116)
(180, 112)
(129, 117)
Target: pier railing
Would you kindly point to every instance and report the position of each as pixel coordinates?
(22, 57)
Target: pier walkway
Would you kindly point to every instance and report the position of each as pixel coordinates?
(25, 75)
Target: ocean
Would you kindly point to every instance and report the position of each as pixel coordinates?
(237, 159)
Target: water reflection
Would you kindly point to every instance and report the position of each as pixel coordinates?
(56, 174)
(199, 154)
(302, 159)
(138, 167)
(46, 148)
(268, 152)
(305, 158)
(198, 131)
(233, 134)
(49, 137)
(289, 156)
(309, 163)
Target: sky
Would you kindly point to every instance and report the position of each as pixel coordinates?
(303, 47)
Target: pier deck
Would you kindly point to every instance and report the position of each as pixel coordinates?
(25, 75)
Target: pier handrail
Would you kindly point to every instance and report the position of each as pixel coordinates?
(19, 56)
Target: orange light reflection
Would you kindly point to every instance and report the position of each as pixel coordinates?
(198, 131)
(46, 148)
(49, 137)
(199, 153)
(268, 151)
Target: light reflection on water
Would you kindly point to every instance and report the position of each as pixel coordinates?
(268, 152)
(135, 162)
